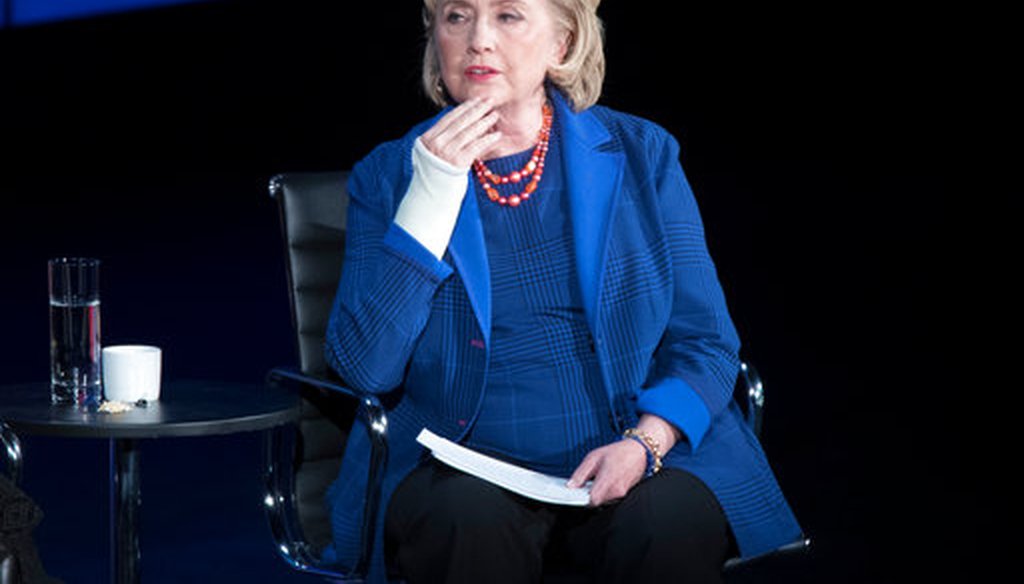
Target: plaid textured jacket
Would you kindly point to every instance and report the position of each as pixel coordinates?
(418, 329)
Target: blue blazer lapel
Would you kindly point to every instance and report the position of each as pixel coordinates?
(469, 251)
(593, 178)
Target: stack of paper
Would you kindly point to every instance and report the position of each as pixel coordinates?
(520, 480)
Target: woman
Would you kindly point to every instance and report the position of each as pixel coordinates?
(526, 274)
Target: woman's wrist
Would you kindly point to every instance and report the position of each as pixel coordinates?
(651, 447)
(661, 430)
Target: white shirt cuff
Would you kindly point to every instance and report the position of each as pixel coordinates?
(430, 208)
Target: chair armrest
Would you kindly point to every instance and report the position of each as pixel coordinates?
(9, 570)
(279, 477)
(754, 396)
(12, 452)
(295, 379)
(780, 554)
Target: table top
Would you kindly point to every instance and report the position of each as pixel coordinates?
(185, 408)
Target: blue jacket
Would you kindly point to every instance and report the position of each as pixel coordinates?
(418, 328)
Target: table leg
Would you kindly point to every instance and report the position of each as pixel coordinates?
(125, 500)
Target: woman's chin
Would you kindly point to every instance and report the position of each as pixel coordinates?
(478, 91)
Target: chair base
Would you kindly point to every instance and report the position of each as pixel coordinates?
(786, 564)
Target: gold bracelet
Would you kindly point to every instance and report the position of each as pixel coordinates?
(650, 443)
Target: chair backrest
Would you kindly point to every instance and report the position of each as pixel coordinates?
(313, 209)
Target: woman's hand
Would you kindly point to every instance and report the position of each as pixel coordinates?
(615, 468)
(463, 134)
(618, 467)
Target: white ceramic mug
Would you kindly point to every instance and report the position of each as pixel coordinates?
(131, 373)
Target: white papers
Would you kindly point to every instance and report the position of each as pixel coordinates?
(526, 482)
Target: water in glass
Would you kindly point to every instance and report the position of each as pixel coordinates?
(75, 374)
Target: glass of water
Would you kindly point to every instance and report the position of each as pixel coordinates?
(75, 375)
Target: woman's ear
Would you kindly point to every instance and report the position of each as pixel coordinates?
(564, 41)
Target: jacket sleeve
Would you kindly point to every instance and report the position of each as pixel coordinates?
(388, 281)
(696, 362)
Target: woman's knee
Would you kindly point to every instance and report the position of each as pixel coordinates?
(670, 524)
(443, 525)
(446, 498)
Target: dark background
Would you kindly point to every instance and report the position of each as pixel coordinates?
(847, 162)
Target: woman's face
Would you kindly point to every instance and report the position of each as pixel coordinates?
(500, 49)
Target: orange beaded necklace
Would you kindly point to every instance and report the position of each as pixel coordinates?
(533, 170)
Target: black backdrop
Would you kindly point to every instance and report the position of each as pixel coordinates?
(834, 153)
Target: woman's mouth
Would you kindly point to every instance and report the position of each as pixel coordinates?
(480, 72)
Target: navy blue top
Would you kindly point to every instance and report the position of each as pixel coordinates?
(544, 405)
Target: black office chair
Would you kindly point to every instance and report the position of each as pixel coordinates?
(302, 462)
(300, 465)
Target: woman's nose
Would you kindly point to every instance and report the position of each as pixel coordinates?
(481, 36)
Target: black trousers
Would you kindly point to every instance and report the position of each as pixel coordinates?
(443, 525)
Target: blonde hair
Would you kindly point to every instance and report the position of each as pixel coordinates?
(580, 74)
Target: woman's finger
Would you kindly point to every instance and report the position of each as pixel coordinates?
(464, 149)
(450, 143)
(453, 114)
(474, 130)
(621, 467)
(478, 147)
(584, 471)
(453, 146)
(610, 484)
(455, 121)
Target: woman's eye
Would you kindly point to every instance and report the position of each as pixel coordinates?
(509, 17)
(454, 17)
